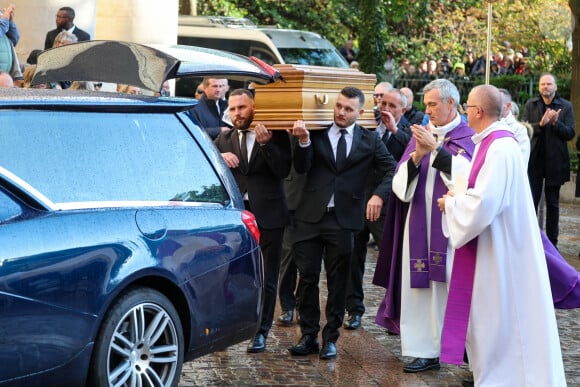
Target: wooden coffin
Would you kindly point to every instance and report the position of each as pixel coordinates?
(309, 93)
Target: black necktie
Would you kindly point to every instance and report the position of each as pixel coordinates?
(341, 149)
(244, 150)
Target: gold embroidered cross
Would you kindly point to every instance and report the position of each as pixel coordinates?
(419, 265)
(437, 258)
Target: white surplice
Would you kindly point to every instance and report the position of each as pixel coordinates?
(423, 309)
(512, 338)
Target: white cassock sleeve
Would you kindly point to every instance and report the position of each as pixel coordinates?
(468, 214)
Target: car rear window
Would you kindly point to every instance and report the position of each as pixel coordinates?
(81, 157)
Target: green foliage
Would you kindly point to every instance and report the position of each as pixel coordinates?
(512, 83)
(372, 51)
(418, 29)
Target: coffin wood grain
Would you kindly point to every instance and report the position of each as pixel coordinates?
(309, 93)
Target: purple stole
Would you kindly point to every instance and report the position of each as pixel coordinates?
(428, 261)
(461, 285)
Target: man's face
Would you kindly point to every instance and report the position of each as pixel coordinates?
(241, 109)
(62, 19)
(214, 89)
(379, 93)
(392, 103)
(346, 111)
(440, 112)
(548, 86)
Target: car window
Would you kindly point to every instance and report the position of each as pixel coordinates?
(8, 207)
(112, 157)
(314, 57)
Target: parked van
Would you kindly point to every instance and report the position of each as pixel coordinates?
(241, 36)
(272, 45)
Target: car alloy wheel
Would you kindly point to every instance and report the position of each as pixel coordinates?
(140, 342)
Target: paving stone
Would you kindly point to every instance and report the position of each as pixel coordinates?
(367, 356)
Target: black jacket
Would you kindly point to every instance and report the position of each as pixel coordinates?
(549, 156)
(269, 165)
(368, 153)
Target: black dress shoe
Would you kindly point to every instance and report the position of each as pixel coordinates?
(258, 344)
(328, 351)
(285, 319)
(421, 364)
(308, 344)
(353, 321)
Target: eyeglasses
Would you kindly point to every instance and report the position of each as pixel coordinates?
(378, 95)
(199, 92)
(466, 106)
(98, 84)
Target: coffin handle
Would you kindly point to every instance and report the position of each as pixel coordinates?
(321, 99)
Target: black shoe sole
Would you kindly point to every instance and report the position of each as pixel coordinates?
(311, 351)
(427, 368)
(255, 350)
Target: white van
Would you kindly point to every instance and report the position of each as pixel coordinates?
(271, 45)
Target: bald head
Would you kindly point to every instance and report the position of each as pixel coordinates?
(484, 107)
(6, 80)
(409, 94)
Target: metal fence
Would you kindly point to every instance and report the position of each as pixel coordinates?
(520, 93)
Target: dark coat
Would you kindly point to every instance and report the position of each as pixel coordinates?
(206, 116)
(397, 143)
(549, 156)
(414, 116)
(269, 165)
(51, 35)
(368, 153)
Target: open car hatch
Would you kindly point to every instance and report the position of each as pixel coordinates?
(145, 66)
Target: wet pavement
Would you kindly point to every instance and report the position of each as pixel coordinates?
(367, 356)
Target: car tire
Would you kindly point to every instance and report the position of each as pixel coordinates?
(140, 342)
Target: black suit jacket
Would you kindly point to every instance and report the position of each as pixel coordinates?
(269, 165)
(51, 35)
(397, 143)
(368, 153)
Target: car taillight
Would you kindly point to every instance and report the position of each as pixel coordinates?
(250, 221)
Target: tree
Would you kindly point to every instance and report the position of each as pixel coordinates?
(372, 51)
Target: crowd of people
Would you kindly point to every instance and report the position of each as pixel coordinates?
(421, 185)
(449, 195)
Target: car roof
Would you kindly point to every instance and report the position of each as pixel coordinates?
(84, 100)
(145, 66)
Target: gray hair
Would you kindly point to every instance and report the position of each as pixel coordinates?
(447, 90)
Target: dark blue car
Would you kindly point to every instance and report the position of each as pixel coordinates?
(124, 246)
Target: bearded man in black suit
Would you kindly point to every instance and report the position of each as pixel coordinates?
(333, 207)
(259, 159)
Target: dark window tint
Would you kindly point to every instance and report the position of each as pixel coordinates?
(88, 157)
(8, 207)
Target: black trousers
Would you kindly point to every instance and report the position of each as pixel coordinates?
(312, 239)
(354, 288)
(287, 291)
(552, 197)
(271, 245)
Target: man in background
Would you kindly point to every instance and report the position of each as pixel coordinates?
(65, 22)
(209, 111)
(552, 120)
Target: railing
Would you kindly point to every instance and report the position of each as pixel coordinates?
(520, 94)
